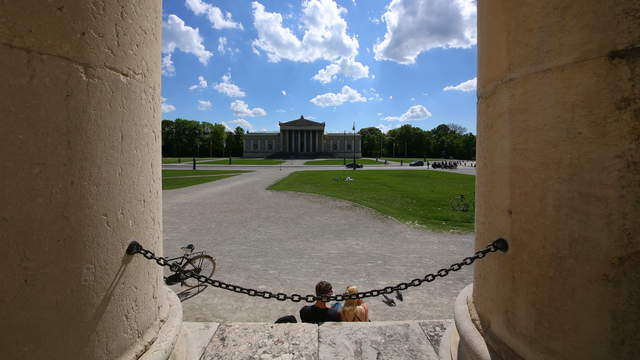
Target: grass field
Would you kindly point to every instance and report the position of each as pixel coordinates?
(341, 162)
(245, 162)
(415, 197)
(182, 160)
(408, 160)
(177, 183)
(175, 179)
(174, 173)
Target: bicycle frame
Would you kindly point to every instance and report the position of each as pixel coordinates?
(184, 258)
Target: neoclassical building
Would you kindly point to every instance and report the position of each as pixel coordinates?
(301, 138)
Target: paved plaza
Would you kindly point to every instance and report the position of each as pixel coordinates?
(286, 242)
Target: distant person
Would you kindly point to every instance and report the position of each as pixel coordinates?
(320, 312)
(354, 310)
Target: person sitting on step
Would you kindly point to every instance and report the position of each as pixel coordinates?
(354, 310)
(320, 312)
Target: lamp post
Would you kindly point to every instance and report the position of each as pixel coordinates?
(194, 155)
(354, 146)
(344, 148)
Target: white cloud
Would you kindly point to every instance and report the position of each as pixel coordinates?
(242, 123)
(415, 113)
(177, 35)
(222, 44)
(167, 107)
(325, 38)
(390, 97)
(204, 105)
(202, 84)
(372, 95)
(384, 128)
(325, 33)
(168, 69)
(469, 85)
(413, 99)
(335, 99)
(228, 88)
(281, 111)
(226, 126)
(345, 66)
(214, 14)
(414, 26)
(284, 92)
(241, 109)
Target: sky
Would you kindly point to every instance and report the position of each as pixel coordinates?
(380, 63)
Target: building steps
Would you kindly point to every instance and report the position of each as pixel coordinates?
(419, 339)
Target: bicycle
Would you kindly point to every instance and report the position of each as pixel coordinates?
(458, 203)
(198, 262)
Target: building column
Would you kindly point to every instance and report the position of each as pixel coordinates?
(558, 176)
(69, 290)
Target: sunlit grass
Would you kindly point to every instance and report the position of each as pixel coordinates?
(417, 197)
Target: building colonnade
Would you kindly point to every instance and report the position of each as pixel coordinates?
(301, 141)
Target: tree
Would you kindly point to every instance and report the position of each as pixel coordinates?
(458, 129)
(371, 138)
(235, 142)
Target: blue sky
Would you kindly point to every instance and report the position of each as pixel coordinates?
(378, 63)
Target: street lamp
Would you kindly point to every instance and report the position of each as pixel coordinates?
(344, 148)
(193, 152)
(354, 146)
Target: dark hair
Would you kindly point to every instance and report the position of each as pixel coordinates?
(323, 288)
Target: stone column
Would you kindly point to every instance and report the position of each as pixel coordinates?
(81, 178)
(558, 176)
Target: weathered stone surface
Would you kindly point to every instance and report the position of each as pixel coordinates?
(199, 335)
(264, 342)
(434, 330)
(375, 340)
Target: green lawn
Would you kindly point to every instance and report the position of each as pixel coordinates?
(341, 162)
(245, 162)
(173, 173)
(415, 197)
(177, 182)
(182, 160)
(406, 160)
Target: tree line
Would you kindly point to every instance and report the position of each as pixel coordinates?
(187, 138)
(444, 141)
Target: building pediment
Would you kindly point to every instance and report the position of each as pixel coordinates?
(302, 123)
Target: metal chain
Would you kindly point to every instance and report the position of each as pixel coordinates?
(497, 245)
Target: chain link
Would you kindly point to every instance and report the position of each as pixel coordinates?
(497, 245)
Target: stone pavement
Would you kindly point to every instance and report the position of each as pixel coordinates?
(286, 242)
(373, 340)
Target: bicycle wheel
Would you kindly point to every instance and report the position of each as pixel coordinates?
(199, 264)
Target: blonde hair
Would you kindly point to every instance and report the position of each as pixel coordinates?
(350, 306)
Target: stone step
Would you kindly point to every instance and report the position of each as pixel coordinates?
(418, 339)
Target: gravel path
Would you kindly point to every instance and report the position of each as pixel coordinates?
(286, 242)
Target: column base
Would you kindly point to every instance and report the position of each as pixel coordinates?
(166, 342)
(463, 340)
